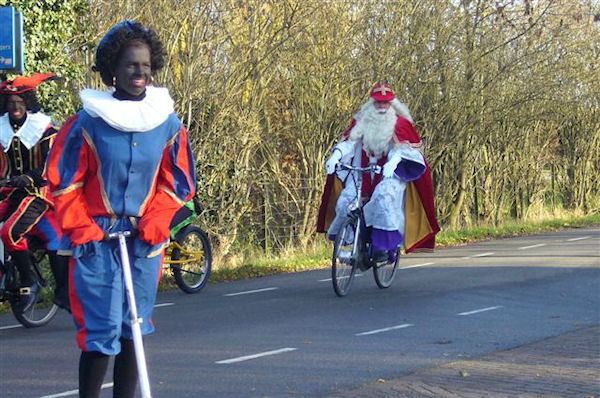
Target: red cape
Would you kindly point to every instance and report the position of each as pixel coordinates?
(421, 223)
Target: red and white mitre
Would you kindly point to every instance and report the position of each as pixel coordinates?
(382, 92)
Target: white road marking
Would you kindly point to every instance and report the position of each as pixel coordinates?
(163, 305)
(72, 392)
(480, 310)
(329, 279)
(11, 327)
(405, 325)
(480, 255)
(532, 246)
(266, 289)
(416, 265)
(254, 356)
(581, 238)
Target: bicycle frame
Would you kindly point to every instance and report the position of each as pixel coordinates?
(186, 255)
(347, 256)
(356, 210)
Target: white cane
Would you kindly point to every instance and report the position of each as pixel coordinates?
(136, 329)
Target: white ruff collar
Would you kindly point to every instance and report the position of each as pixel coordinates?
(126, 115)
(29, 133)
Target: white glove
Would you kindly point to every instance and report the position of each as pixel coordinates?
(389, 167)
(333, 160)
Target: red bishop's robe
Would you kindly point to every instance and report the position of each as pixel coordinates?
(421, 223)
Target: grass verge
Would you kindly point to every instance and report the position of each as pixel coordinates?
(318, 256)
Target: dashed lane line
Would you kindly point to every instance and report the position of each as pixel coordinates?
(480, 255)
(73, 392)
(11, 327)
(532, 246)
(254, 356)
(405, 325)
(479, 310)
(266, 289)
(164, 305)
(416, 265)
(580, 238)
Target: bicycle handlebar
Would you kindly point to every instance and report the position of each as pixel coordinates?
(115, 235)
(372, 168)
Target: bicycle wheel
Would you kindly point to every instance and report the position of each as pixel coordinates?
(384, 273)
(191, 262)
(343, 265)
(43, 310)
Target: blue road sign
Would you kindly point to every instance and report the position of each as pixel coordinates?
(11, 40)
(7, 38)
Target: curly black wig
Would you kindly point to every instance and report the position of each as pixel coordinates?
(117, 38)
(31, 101)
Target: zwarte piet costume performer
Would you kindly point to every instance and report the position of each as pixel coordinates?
(122, 163)
(26, 206)
(400, 210)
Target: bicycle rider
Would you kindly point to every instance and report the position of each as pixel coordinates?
(382, 133)
(26, 207)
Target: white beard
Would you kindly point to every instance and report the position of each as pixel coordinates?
(376, 130)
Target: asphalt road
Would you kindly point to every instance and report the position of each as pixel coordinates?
(289, 335)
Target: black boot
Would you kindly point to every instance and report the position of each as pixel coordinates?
(22, 261)
(125, 374)
(60, 270)
(92, 368)
(29, 288)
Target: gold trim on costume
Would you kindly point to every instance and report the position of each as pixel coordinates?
(68, 189)
(150, 192)
(22, 212)
(158, 251)
(103, 194)
(154, 179)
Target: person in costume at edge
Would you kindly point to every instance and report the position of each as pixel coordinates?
(123, 162)
(383, 133)
(26, 206)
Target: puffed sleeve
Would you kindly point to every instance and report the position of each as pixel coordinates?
(175, 185)
(66, 169)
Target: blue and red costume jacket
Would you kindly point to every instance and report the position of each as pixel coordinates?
(95, 170)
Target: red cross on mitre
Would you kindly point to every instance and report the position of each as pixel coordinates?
(382, 92)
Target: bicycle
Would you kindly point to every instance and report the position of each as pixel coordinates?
(43, 310)
(352, 247)
(189, 255)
